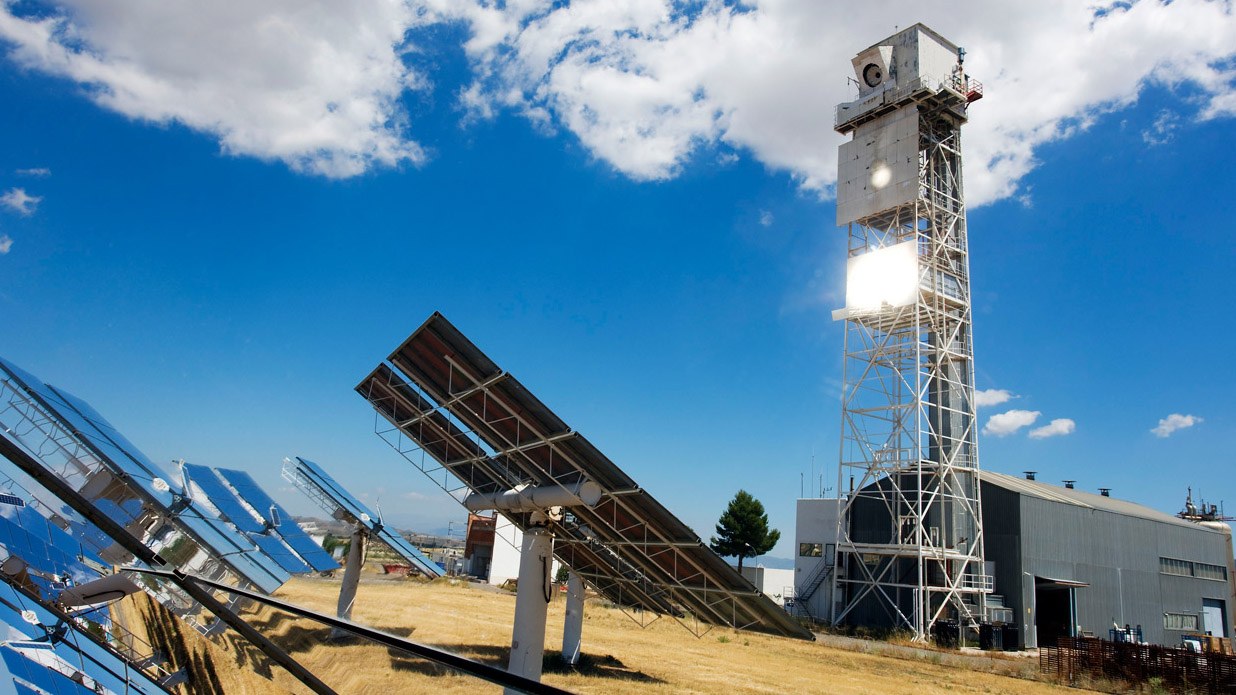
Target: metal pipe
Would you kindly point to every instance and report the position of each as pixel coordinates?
(529, 499)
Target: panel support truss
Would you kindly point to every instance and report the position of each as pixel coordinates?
(910, 538)
(473, 428)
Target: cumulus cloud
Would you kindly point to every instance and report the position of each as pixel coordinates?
(313, 83)
(990, 397)
(1175, 422)
(644, 85)
(1055, 428)
(1008, 422)
(1163, 130)
(6, 243)
(19, 201)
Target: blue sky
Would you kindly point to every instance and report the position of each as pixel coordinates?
(663, 282)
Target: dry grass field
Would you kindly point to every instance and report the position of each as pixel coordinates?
(619, 655)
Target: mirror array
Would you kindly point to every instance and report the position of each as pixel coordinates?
(243, 503)
(66, 446)
(74, 442)
(335, 500)
(58, 648)
(472, 427)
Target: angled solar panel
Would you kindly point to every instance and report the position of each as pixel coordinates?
(12, 500)
(23, 689)
(40, 561)
(73, 441)
(222, 498)
(42, 673)
(290, 533)
(67, 647)
(456, 415)
(340, 503)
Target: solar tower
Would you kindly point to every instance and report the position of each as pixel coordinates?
(910, 540)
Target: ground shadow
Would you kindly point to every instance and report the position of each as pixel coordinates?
(595, 666)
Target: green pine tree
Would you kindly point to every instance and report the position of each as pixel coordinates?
(743, 530)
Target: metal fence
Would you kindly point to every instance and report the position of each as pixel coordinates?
(1073, 657)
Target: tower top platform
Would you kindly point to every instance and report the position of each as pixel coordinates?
(912, 66)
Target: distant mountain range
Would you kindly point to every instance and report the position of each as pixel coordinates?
(775, 563)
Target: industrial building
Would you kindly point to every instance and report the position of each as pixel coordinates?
(1064, 563)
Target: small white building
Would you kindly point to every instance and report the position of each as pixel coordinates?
(816, 536)
(508, 539)
(776, 584)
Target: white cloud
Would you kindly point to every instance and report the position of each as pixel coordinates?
(1175, 422)
(1163, 130)
(766, 218)
(1055, 428)
(6, 243)
(644, 85)
(1007, 423)
(35, 172)
(313, 83)
(19, 201)
(990, 397)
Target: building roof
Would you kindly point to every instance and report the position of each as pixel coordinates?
(1055, 493)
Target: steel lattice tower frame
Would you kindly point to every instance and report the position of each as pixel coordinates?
(910, 539)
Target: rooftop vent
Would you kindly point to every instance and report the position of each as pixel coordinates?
(1030, 475)
(1105, 491)
(1068, 484)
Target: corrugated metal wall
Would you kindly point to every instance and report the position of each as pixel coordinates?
(1118, 556)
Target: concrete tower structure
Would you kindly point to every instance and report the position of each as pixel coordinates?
(909, 549)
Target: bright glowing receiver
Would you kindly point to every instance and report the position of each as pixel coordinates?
(884, 276)
(880, 175)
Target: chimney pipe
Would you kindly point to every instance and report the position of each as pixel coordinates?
(1068, 484)
(1105, 491)
(1030, 475)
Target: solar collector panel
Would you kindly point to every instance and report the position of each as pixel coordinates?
(135, 474)
(516, 426)
(280, 553)
(39, 675)
(312, 556)
(222, 498)
(316, 475)
(77, 647)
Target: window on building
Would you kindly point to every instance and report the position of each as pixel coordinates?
(810, 549)
(1170, 565)
(1205, 571)
(1186, 622)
